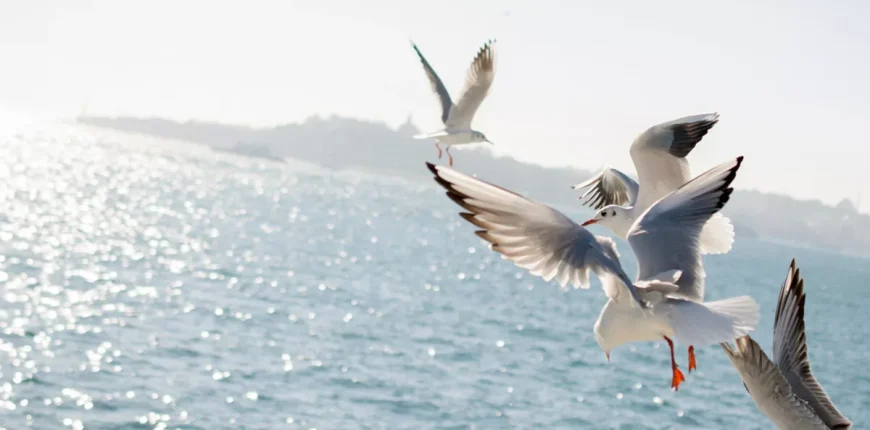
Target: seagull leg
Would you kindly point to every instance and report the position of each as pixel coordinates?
(439, 150)
(677, 377)
(451, 157)
(692, 365)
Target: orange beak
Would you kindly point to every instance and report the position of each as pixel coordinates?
(591, 221)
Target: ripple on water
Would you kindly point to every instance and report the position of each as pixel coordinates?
(148, 284)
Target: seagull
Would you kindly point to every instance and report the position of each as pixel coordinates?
(665, 300)
(785, 389)
(457, 117)
(659, 156)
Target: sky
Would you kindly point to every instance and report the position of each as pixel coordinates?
(576, 81)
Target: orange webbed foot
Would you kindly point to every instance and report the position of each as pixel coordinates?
(677, 379)
(692, 363)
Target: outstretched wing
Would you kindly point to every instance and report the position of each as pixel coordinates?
(610, 187)
(477, 82)
(769, 389)
(790, 350)
(531, 235)
(667, 235)
(659, 155)
(437, 86)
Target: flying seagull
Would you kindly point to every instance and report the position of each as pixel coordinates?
(784, 388)
(659, 156)
(457, 117)
(665, 300)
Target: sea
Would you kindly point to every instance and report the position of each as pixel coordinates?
(154, 284)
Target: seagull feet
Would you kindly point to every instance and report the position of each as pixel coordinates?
(451, 157)
(692, 364)
(439, 151)
(677, 377)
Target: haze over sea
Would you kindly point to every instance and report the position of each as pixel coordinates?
(152, 284)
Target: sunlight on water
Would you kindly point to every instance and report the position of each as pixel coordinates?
(151, 284)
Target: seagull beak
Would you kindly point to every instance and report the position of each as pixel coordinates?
(488, 141)
(591, 221)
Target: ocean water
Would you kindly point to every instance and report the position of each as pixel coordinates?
(148, 284)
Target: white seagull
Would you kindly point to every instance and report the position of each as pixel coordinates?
(785, 389)
(659, 156)
(664, 302)
(457, 117)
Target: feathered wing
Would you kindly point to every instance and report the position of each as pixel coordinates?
(769, 389)
(610, 187)
(437, 86)
(667, 234)
(790, 350)
(533, 236)
(659, 155)
(478, 80)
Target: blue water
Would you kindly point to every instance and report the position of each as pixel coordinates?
(148, 284)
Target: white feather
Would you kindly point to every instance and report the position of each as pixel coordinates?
(717, 236)
(713, 322)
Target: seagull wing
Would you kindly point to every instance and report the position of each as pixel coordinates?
(659, 155)
(769, 388)
(533, 236)
(477, 82)
(666, 236)
(437, 86)
(610, 187)
(790, 350)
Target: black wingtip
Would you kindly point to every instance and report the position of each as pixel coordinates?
(726, 188)
(793, 285)
(733, 175)
(688, 135)
(797, 282)
(446, 185)
(431, 168)
(419, 54)
(467, 216)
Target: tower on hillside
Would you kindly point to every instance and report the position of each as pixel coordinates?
(408, 128)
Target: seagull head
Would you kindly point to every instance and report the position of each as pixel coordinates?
(480, 137)
(608, 216)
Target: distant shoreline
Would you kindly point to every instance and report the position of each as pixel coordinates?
(346, 143)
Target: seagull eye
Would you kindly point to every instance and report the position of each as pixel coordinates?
(603, 214)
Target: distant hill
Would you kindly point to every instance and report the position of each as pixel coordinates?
(344, 143)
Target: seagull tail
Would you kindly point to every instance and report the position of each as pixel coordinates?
(717, 235)
(713, 322)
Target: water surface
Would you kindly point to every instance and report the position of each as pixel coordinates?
(149, 284)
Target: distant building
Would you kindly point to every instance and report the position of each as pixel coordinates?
(847, 206)
(408, 128)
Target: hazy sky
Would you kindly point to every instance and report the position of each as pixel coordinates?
(576, 81)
